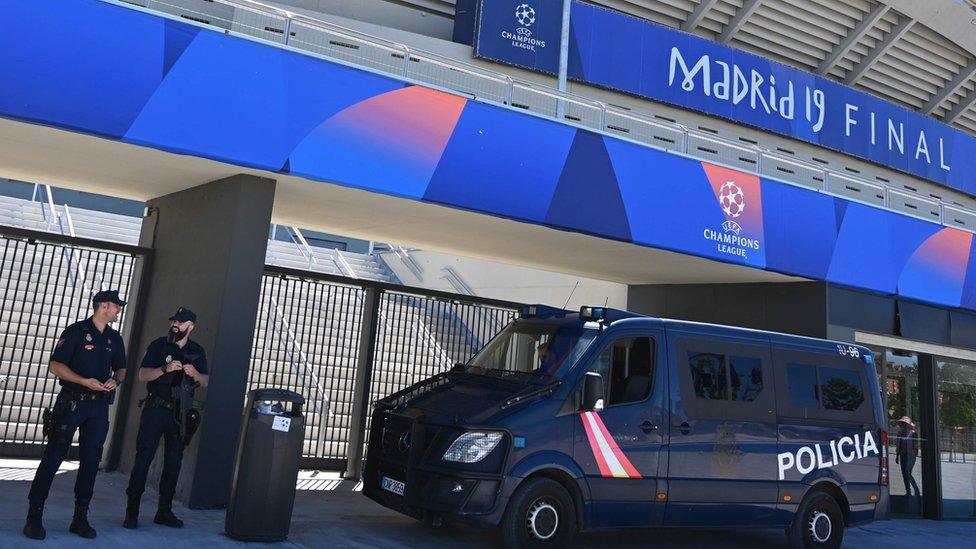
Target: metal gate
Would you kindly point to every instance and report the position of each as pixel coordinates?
(46, 283)
(313, 336)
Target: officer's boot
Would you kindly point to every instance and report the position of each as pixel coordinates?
(79, 523)
(164, 514)
(131, 520)
(34, 529)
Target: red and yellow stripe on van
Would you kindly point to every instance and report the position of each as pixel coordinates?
(612, 461)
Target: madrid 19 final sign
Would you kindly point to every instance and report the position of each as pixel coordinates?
(627, 54)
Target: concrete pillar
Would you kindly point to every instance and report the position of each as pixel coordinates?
(210, 243)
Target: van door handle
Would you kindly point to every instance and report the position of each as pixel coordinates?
(684, 428)
(648, 427)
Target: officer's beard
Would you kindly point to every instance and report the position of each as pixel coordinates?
(175, 335)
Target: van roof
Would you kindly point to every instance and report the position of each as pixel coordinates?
(705, 327)
(620, 316)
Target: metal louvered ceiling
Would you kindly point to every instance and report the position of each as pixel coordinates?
(862, 43)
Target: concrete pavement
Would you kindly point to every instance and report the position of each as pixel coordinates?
(331, 513)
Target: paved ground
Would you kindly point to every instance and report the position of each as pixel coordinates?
(330, 513)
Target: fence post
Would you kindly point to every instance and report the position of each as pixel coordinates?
(288, 21)
(364, 375)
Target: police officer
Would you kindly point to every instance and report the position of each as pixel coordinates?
(169, 361)
(89, 360)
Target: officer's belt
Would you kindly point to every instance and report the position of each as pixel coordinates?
(160, 402)
(78, 395)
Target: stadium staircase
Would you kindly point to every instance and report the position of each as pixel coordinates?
(313, 353)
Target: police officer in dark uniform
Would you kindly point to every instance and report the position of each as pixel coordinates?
(170, 362)
(89, 360)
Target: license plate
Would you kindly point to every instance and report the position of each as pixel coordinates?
(391, 485)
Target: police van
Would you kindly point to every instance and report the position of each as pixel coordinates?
(577, 421)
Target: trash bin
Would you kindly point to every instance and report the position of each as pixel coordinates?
(262, 493)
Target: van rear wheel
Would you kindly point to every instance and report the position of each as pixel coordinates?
(818, 524)
(540, 514)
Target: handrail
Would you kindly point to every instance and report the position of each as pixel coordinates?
(307, 252)
(349, 271)
(280, 320)
(79, 270)
(454, 278)
(601, 110)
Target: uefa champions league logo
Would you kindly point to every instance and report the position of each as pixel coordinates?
(525, 15)
(732, 200)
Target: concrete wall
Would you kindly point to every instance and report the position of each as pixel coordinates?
(510, 282)
(795, 308)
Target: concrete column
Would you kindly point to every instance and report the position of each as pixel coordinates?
(210, 243)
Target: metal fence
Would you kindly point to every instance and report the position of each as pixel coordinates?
(326, 39)
(343, 343)
(46, 283)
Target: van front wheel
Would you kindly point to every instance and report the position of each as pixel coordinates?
(540, 514)
(818, 523)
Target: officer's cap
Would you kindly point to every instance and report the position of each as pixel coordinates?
(183, 314)
(108, 296)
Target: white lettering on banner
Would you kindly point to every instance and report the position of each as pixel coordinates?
(808, 458)
(729, 82)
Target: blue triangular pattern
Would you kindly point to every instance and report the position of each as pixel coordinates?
(286, 168)
(968, 297)
(588, 194)
(576, 68)
(177, 36)
(840, 209)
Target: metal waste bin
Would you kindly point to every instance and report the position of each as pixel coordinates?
(262, 494)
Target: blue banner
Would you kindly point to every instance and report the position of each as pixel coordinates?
(627, 54)
(176, 87)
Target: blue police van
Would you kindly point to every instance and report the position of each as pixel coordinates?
(576, 421)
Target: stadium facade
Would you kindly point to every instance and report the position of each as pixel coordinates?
(805, 166)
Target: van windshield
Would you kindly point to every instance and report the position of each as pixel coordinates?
(533, 351)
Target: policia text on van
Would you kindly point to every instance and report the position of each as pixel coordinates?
(567, 422)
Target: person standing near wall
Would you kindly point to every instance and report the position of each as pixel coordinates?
(89, 361)
(173, 366)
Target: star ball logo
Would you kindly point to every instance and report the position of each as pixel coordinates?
(525, 15)
(521, 36)
(733, 202)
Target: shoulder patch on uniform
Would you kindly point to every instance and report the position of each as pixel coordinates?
(60, 343)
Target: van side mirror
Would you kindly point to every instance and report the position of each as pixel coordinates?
(593, 392)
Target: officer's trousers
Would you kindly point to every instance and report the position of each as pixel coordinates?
(91, 418)
(157, 422)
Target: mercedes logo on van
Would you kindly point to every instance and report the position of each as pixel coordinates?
(404, 443)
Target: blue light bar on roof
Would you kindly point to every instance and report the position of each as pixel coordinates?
(593, 313)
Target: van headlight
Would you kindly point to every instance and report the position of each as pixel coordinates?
(472, 447)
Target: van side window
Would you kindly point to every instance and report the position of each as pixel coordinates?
(746, 375)
(627, 369)
(722, 377)
(802, 381)
(817, 387)
(708, 375)
(840, 389)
